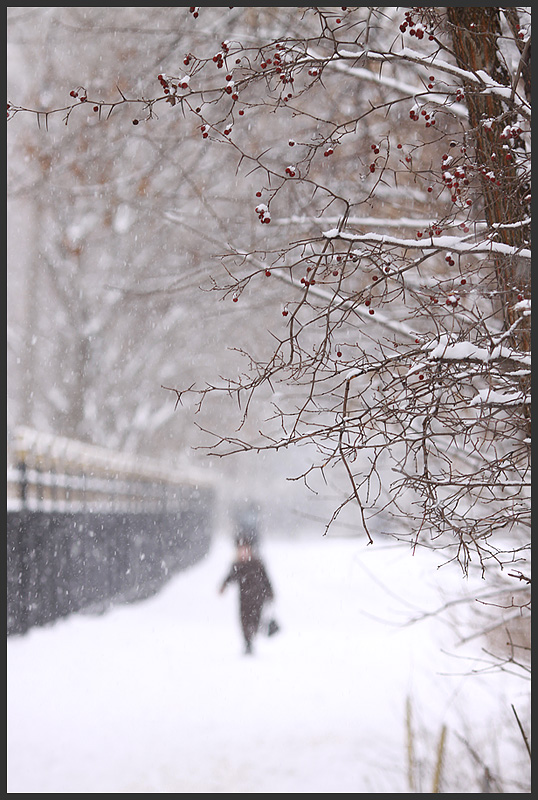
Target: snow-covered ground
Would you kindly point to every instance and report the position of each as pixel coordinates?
(157, 696)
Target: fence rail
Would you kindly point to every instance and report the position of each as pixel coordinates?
(87, 528)
(38, 490)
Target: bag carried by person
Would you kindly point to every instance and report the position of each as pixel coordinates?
(272, 627)
(269, 624)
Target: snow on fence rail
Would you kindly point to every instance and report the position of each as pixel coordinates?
(55, 473)
(88, 527)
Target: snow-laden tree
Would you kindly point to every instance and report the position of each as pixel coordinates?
(405, 336)
(389, 153)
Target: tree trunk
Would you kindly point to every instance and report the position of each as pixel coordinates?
(475, 31)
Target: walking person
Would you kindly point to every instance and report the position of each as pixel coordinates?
(255, 588)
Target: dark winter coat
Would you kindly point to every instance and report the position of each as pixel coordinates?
(254, 590)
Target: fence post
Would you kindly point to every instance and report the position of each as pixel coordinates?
(23, 483)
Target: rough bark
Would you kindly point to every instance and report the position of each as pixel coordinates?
(475, 32)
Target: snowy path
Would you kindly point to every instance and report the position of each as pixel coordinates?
(156, 697)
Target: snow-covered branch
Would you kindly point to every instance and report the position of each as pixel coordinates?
(437, 243)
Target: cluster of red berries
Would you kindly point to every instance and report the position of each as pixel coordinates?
(415, 29)
(219, 57)
(80, 92)
(510, 132)
(229, 90)
(172, 84)
(263, 213)
(451, 300)
(490, 175)
(375, 148)
(194, 11)
(275, 60)
(452, 180)
(416, 113)
(433, 230)
(290, 171)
